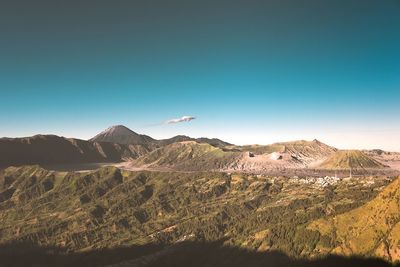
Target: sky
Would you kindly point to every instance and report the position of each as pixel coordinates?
(248, 71)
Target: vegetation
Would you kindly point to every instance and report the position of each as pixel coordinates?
(372, 229)
(110, 208)
(188, 155)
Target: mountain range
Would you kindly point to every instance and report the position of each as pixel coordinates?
(115, 144)
(160, 197)
(119, 144)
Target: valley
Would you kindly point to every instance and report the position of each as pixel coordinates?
(304, 199)
(111, 208)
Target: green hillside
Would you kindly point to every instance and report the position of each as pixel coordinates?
(188, 155)
(372, 229)
(110, 208)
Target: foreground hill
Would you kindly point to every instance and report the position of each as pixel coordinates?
(354, 159)
(111, 208)
(372, 229)
(51, 149)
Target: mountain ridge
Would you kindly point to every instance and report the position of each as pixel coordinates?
(183, 153)
(121, 134)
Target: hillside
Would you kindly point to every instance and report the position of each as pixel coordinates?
(188, 155)
(51, 149)
(354, 159)
(372, 229)
(111, 208)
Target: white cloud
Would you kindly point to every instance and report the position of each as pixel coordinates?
(178, 120)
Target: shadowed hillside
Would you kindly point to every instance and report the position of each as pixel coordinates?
(115, 144)
(51, 149)
(188, 254)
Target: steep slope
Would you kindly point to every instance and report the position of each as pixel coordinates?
(51, 149)
(372, 229)
(355, 159)
(120, 134)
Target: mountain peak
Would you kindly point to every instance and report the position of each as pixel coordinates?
(118, 128)
(122, 135)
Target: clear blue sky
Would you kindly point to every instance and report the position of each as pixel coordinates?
(250, 71)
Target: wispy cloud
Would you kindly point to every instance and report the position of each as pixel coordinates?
(181, 119)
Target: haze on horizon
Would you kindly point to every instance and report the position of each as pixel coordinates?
(249, 71)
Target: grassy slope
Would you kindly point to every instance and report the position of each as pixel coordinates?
(188, 155)
(345, 159)
(372, 229)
